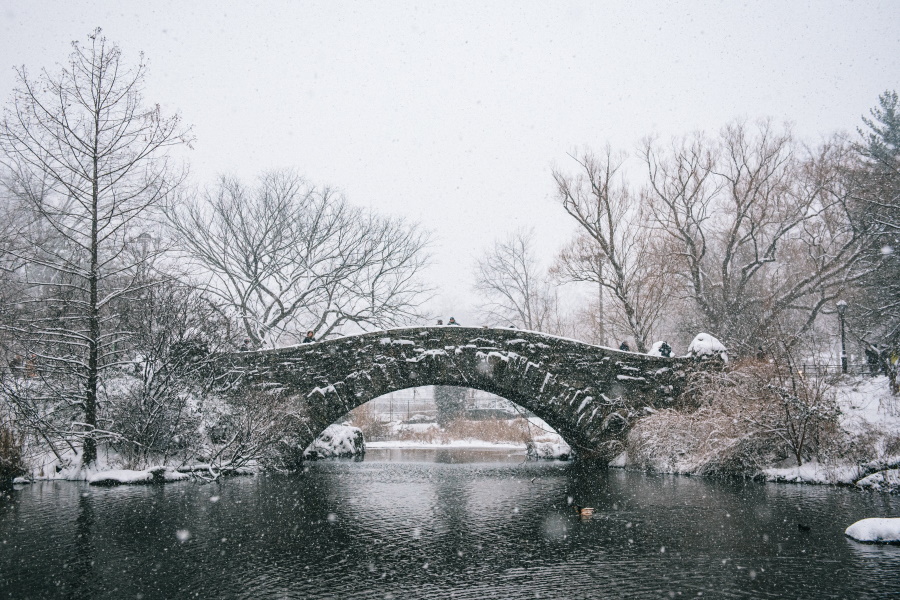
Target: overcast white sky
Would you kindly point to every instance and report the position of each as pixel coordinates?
(453, 113)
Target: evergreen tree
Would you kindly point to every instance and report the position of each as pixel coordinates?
(877, 180)
(881, 139)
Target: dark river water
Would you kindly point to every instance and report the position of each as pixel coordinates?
(443, 524)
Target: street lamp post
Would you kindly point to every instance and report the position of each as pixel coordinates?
(841, 307)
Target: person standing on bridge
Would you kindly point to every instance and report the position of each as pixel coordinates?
(245, 347)
(310, 338)
(624, 347)
(452, 321)
(665, 350)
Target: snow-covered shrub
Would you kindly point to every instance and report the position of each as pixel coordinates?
(892, 444)
(714, 440)
(43, 419)
(251, 429)
(155, 406)
(154, 423)
(747, 418)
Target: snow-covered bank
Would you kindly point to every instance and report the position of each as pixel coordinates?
(533, 435)
(884, 531)
(461, 444)
(124, 476)
(336, 440)
(730, 435)
(870, 416)
(841, 473)
(342, 440)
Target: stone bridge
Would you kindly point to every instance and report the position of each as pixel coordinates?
(590, 394)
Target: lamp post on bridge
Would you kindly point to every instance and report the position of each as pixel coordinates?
(841, 307)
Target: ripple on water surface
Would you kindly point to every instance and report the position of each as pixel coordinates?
(433, 526)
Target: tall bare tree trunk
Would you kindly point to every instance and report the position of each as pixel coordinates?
(90, 162)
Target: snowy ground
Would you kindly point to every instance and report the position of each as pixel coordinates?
(868, 412)
(469, 444)
(545, 443)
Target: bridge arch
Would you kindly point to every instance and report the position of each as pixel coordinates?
(589, 394)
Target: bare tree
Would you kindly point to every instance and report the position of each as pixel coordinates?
(613, 248)
(516, 290)
(287, 256)
(90, 160)
(761, 228)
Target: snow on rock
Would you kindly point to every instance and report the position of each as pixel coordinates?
(883, 481)
(654, 349)
(546, 444)
(706, 345)
(337, 441)
(875, 530)
(548, 450)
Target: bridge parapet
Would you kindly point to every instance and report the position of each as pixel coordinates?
(589, 394)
